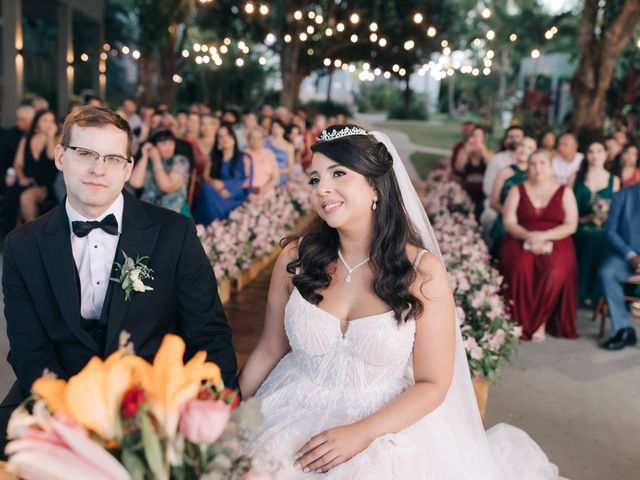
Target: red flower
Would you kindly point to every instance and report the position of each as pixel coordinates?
(131, 401)
(205, 394)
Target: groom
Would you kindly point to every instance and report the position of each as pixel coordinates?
(62, 308)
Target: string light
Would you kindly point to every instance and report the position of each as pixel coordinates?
(377, 72)
(354, 18)
(354, 38)
(486, 13)
(84, 57)
(446, 51)
(223, 49)
(444, 43)
(382, 42)
(373, 26)
(262, 61)
(319, 19)
(395, 68)
(227, 41)
(310, 51)
(477, 42)
(106, 47)
(206, 59)
(490, 54)
(136, 54)
(239, 62)
(177, 78)
(264, 9)
(125, 50)
(366, 66)
(387, 75)
(327, 62)
(402, 72)
(409, 44)
(303, 36)
(548, 35)
(337, 62)
(205, 48)
(328, 32)
(417, 18)
(487, 62)
(103, 56)
(535, 53)
(475, 72)
(513, 37)
(486, 71)
(287, 38)
(270, 39)
(198, 59)
(491, 35)
(373, 37)
(249, 8)
(431, 32)
(351, 68)
(340, 27)
(310, 29)
(297, 15)
(311, 15)
(554, 30)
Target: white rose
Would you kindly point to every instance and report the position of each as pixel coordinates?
(138, 286)
(134, 275)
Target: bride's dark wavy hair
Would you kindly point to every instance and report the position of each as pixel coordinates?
(393, 271)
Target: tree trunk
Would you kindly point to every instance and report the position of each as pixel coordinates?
(147, 68)
(292, 73)
(599, 56)
(407, 95)
(168, 67)
(329, 82)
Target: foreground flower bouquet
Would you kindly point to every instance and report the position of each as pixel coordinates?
(127, 419)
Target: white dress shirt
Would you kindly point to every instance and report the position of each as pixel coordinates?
(562, 169)
(94, 255)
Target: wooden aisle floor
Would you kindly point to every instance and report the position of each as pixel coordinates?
(245, 314)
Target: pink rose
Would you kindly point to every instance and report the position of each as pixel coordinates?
(256, 475)
(203, 421)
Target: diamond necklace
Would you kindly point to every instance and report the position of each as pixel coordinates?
(350, 270)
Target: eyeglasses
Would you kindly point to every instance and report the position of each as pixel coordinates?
(110, 160)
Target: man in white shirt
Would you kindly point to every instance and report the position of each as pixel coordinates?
(512, 137)
(61, 306)
(568, 160)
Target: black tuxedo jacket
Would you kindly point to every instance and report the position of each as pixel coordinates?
(42, 302)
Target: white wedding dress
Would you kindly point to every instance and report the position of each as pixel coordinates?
(328, 380)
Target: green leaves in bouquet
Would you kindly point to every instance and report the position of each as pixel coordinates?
(152, 447)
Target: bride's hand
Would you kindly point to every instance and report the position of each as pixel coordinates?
(331, 448)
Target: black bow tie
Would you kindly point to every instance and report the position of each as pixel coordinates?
(109, 224)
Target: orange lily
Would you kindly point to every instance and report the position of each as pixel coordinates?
(92, 397)
(170, 383)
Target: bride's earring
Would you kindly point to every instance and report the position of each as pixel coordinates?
(375, 204)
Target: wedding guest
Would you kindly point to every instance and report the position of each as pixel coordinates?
(622, 260)
(227, 179)
(10, 138)
(568, 160)
(266, 173)
(310, 136)
(593, 187)
(265, 123)
(182, 117)
(548, 142)
(249, 120)
(207, 139)
(39, 104)
(466, 129)
(191, 135)
(537, 256)
(282, 149)
(295, 137)
(470, 164)
(162, 174)
(622, 136)
(512, 137)
(508, 177)
(613, 150)
(34, 164)
(626, 166)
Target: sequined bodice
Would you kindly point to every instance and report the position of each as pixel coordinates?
(374, 352)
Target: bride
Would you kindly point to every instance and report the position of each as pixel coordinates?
(360, 367)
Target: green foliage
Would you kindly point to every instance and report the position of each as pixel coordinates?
(417, 109)
(424, 162)
(377, 97)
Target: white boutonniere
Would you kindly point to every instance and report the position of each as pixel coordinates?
(132, 275)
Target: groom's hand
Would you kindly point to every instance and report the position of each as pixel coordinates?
(331, 448)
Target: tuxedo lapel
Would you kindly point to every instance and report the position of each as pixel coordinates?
(138, 238)
(55, 247)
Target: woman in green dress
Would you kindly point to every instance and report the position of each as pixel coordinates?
(593, 187)
(507, 178)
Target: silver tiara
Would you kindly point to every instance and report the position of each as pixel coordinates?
(345, 132)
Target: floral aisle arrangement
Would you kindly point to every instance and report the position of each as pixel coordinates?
(490, 337)
(124, 418)
(255, 228)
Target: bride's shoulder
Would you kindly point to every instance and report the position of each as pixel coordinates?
(431, 276)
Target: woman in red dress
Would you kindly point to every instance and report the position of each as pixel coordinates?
(537, 257)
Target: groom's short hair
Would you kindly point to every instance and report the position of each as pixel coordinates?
(89, 116)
